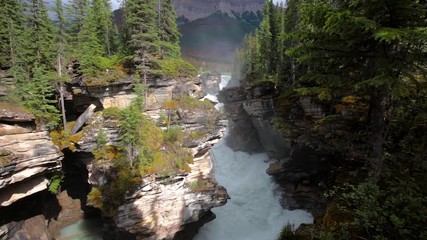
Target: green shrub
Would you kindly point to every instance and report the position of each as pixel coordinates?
(196, 135)
(187, 102)
(287, 233)
(108, 63)
(201, 185)
(104, 78)
(5, 157)
(112, 113)
(174, 134)
(175, 67)
(55, 183)
(382, 213)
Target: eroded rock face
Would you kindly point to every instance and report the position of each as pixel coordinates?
(26, 156)
(32, 228)
(296, 166)
(159, 208)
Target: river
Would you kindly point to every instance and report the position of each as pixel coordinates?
(252, 213)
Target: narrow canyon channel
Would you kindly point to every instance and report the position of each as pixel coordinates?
(252, 213)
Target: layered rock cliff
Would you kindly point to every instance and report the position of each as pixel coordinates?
(155, 208)
(27, 156)
(158, 207)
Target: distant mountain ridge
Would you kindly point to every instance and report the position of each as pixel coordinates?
(195, 9)
(214, 39)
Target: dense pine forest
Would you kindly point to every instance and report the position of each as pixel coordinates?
(39, 47)
(364, 63)
(45, 50)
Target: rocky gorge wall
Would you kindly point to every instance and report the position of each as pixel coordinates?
(157, 208)
(28, 158)
(297, 167)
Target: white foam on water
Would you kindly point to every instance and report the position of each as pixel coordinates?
(224, 81)
(254, 211)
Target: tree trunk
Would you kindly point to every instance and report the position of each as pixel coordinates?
(61, 93)
(378, 124)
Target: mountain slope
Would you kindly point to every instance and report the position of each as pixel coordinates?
(194, 9)
(216, 37)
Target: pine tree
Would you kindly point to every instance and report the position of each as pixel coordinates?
(11, 27)
(103, 20)
(41, 30)
(168, 30)
(61, 44)
(76, 12)
(363, 49)
(13, 42)
(39, 97)
(90, 48)
(141, 34)
(265, 40)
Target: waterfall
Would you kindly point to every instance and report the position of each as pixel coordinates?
(254, 211)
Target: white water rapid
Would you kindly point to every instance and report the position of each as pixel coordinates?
(254, 211)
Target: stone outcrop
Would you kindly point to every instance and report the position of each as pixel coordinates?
(27, 156)
(159, 208)
(32, 228)
(117, 94)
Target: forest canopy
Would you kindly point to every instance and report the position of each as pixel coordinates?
(364, 63)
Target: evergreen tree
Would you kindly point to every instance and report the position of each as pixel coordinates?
(363, 49)
(168, 30)
(11, 27)
(13, 42)
(41, 31)
(103, 20)
(39, 97)
(90, 48)
(265, 40)
(76, 12)
(141, 34)
(61, 44)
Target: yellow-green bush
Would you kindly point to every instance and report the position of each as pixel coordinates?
(201, 185)
(112, 113)
(105, 78)
(174, 67)
(63, 139)
(5, 157)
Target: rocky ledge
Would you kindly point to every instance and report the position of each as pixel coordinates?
(160, 209)
(27, 156)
